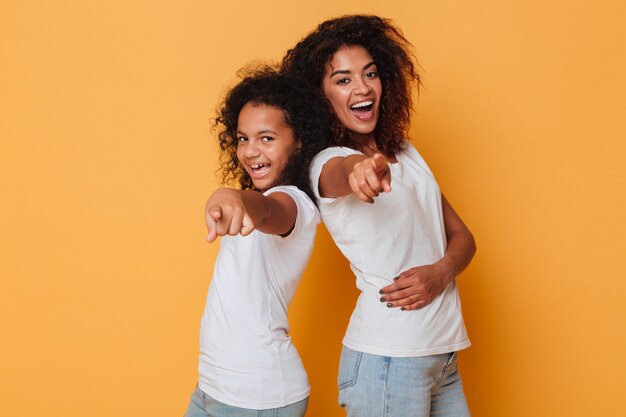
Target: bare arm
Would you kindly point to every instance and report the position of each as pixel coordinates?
(419, 286)
(461, 245)
(231, 212)
(362, 175)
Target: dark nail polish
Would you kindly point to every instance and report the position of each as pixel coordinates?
(380, 292)
(389, 305)
(403, 309)
(382, 299)
(396, 278)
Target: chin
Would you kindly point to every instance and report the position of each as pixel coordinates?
(263, 185)
(363, 131)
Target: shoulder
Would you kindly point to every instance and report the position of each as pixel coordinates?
(409, 150)
(412, 156)
(326, 155)
(333, 152)
(296, 194)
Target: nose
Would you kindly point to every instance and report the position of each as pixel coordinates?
(362, 86)
(251, 148)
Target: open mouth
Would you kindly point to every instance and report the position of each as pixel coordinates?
(259, 170)
(363, 110)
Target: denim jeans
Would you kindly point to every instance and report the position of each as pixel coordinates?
(201, 405)
(382, 386)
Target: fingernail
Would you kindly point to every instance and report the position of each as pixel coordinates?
(382, 299)
(380, 292)
(396, 278)
(402, 308)
(389, 305)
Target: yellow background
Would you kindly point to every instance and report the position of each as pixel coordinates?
(106, 160)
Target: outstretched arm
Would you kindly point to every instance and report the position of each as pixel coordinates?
(364, 176)
(231, 212)
(419, 286)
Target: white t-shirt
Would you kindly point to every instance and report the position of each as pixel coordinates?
(402, 229)
(246, 356)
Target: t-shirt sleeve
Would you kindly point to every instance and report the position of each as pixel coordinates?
(318, 164)
(307, 215)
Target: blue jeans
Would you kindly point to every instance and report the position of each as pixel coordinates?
(201, 405)
(382, 386)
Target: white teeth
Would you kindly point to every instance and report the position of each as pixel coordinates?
(257, 166)
(362, 104)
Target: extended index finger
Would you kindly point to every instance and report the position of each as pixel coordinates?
(383, 172)
(212, 226)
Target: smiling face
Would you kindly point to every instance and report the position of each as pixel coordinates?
(353, 87)
(265, 143)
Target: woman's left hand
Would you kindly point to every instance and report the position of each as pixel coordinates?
(417, 287)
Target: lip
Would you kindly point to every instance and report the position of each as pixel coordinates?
(364, 116)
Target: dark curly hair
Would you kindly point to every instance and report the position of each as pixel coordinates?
(305, 112)
(396, 63)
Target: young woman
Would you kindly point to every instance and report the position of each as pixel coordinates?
(271, 129)
(399, 351)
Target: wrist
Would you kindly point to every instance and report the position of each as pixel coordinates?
(448, 269)
(257, 206)
(350, 161)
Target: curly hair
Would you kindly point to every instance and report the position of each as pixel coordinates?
(305, 113)
(396, 63)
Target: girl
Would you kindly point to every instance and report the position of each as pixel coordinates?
(399, 353)
(271, 128)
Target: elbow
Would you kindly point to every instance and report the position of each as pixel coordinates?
(471, 244)
(465, 240)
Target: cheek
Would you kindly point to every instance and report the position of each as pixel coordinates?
(285, 154)
(379, 87)
(338, 107)
(333, 95)
(335, 99)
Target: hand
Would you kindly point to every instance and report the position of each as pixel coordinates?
(370, 177)
(226, 214)
(417, 287)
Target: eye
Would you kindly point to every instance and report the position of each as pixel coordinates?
(242, 139)
(267, 139)
(343, 81)
(371, 74)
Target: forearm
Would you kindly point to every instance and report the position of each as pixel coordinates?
(334, 179)
(258, 206)
(459, 253)
(461, 246)
(230, 211)
(272, 214)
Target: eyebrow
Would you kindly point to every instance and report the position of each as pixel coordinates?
(260, 132)
(366, 66)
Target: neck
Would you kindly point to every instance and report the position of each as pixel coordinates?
(366, 143)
